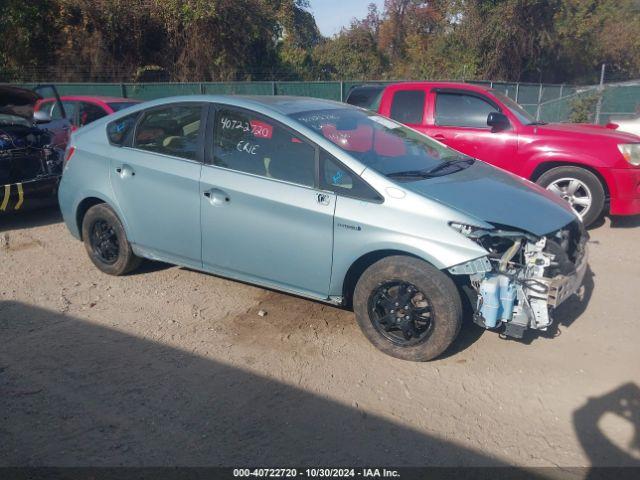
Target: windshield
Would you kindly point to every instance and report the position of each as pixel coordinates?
(117, 106)
(522, 115)
(7, 119)
(379, 143)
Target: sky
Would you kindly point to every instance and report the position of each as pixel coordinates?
(332, 15)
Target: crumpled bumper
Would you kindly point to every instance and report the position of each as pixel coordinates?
(562, 287)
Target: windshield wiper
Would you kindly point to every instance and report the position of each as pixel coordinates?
(443, 166)
(537, 123)
(431, 172)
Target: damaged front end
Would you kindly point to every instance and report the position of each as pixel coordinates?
(31, 151)
(523, 278)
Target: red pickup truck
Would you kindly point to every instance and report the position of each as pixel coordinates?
(597, 170)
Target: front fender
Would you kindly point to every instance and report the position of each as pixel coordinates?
(440, 254)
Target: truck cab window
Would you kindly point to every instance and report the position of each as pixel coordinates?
(408, 106)
(461, 110)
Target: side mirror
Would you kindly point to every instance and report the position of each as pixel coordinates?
(498, 121)
(41, 117)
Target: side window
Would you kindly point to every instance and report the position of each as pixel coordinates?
(251, 143)
(89, 113)
(119, 131)
(69, 110)
(46, 106)
(460, 110)
(172, 130)
(337, 178)
(408, 106)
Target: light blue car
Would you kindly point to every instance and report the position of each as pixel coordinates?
(326, 201)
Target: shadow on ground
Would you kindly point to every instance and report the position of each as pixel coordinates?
(620, 405)
(74, 394)
(625, 222)
(30, 219)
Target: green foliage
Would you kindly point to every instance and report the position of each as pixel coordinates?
(583, 107)
(207, 40)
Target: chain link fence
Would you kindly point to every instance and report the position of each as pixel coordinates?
(546, 102)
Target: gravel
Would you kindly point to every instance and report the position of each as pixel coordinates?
(169, 366)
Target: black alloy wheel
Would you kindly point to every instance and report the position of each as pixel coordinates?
(401, 313)
(104, 242)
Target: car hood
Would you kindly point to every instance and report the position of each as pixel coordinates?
(17, 101)
(497, 197)
(587, 131)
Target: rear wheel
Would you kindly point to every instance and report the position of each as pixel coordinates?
(579, 187)
(407, 308)
(106, 242)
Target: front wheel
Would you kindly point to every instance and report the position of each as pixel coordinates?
(578, 186)
(106, 241)
(407, 308)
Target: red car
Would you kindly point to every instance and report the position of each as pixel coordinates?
(81, 110)
(597, 170)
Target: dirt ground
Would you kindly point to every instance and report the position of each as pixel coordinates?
(169, 366)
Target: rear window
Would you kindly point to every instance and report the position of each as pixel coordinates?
(408, 106)
(366, 97)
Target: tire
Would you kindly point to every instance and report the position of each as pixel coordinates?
(112, 255)
(377, 284)
(591, 186)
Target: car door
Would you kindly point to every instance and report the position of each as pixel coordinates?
(61, 124)
(89, 112)
(460, 121)
(263, 218)
(155, 177)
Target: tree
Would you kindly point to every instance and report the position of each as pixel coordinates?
(27, 37)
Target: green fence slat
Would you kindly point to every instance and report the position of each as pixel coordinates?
(238, 88)
(326, 90)
(151, 91)
(556, 100)
(528, 95)
(623, 99)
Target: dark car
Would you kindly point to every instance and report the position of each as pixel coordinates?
(32, 147)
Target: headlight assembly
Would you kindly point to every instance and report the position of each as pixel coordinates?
(631, 153)
(467, 230)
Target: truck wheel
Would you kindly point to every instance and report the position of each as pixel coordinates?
(407, 308)
(578, 186)
(106, 242)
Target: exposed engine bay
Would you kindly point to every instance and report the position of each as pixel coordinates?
(32, 148)
(523, 278)
(27, 153)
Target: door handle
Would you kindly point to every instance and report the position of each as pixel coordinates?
(125, 171)
(439, 137)
(217, 197)
(323, 198)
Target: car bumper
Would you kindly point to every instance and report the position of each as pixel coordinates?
(626, 200)
(562, 287)
(28, 195)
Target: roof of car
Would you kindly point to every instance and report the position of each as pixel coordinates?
(282, 104)
(99, 98)
(422, 84)
(287, 104)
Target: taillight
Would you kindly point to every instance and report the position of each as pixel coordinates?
(68, 153)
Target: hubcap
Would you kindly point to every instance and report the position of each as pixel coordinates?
(401, 313)
(104, 242)
(573, 191)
